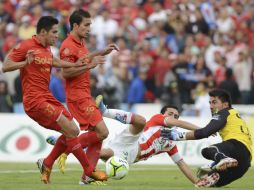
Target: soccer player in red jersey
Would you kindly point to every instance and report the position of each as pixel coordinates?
(34, 59)
(78, 95)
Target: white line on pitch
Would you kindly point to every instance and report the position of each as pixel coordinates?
(73, 169)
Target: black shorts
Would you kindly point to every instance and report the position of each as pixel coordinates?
(237, 150)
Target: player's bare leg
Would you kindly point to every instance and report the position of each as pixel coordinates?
(106, 153)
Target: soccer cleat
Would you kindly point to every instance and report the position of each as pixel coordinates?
(99, 183)
(87, 180)
(61, 162)
(91, 181)
(100, 104)
(225, 163)
(99, 175)
(51, 140)
(45, 172)
(208, 180)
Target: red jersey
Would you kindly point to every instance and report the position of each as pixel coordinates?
(151, 143)
(77, 87)
(35, 76)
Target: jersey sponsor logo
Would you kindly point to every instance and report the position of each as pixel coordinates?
(216, 117)
(43, 60)
(45, 70)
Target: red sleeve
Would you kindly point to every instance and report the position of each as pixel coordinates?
(158, 120)
(67, 54)
(173, 151)
(18, 53)
(175, 156)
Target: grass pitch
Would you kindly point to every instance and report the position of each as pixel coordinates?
(24, 176)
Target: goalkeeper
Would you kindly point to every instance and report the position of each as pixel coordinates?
(232, 157)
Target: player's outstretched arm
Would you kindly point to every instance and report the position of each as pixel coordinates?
(175, 135)
(70, 72)
(180, 123)
(187, 171)
(65, 64)
(175, 156)
(107, 50)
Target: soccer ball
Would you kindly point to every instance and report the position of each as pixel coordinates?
(117, 168)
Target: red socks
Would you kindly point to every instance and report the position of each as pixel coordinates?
(93, 144)
(93, 153)
(74, 147)
(57, 150)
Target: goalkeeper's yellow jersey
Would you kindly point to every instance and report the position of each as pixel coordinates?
(230, 125)
(236, 128)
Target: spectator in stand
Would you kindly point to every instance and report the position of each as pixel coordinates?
(171, 95)
(180, 70)
(181, 27)
(197, 24)
(224, 22)
(17, 97)
(162, 66)
(231, 86)
(201, 100)
(242, 71)
(136, 93)
(26, 30)
(103, 26)
(219, 74)
(5, 98)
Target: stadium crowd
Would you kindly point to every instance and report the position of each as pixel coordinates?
(171, 51)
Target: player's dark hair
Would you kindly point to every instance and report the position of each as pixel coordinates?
(164, 108)
(46, 23)
(223, 95)
(77, 17)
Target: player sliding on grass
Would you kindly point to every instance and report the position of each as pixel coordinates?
(232, 157)
(141, 140)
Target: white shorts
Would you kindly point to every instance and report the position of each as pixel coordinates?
(125, 145)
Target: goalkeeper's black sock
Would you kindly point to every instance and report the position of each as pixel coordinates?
(213, 153)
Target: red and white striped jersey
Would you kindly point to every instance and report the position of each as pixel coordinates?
(151, 143)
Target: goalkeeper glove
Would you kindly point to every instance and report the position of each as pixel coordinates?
(173, 134)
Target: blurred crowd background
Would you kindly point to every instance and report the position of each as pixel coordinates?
(171, 51)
